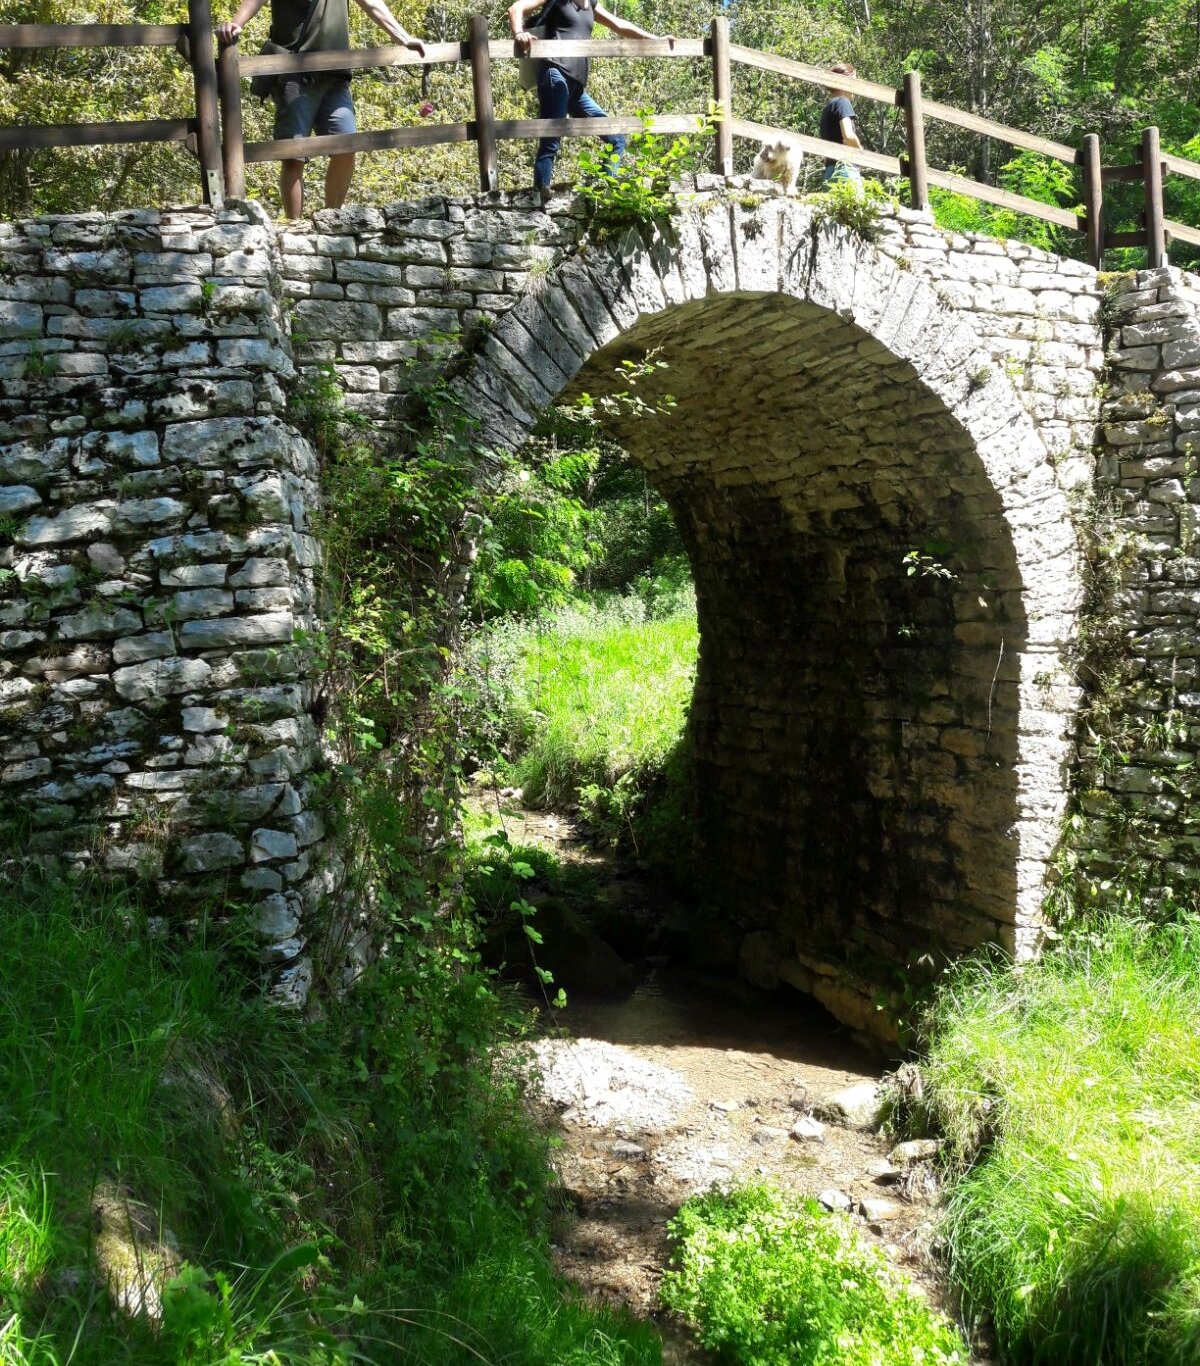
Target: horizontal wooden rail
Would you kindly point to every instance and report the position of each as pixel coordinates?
(1005, 199)
(96, 134)
(835, 151)
(1016, 137)
(1181, 166)
(1180, 232)
(604, 47)
(382, 140)
(430, 135)
(810, 75)
(592, 128)
(441, 54)
(1123, 174)
(356, 59)
(885, 94)
(91, 35)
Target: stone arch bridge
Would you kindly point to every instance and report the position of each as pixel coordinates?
(885, 459)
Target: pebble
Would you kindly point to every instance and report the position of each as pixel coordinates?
(808, 1129)
(725, 1106)
(834, 1200)
(623, 1148)
(767, 1133)
(857, 1107)
(878, 1211)
(915, 1150)
(883, 1171)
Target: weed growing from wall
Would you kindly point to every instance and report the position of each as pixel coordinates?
(642, 186)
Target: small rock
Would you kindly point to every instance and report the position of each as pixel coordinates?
(883, 1171)
(767, 1133)
(623, 1148)
(915, 1150)
(834, 1200)
(808, 1129)
(798, 1100)
(878, 1211)
(725, 1106)
(856, 1107)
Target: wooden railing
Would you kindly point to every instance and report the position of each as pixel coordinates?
(198, 131)
(223, 163)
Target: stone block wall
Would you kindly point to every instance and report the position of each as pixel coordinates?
(157, 564)
(1140, 821)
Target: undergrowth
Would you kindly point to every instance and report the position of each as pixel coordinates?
(1068, 1093)
(360, 1187)
(770, 1279)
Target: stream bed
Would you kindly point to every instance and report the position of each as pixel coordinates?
(691, 1082)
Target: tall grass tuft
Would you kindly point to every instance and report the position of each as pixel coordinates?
(1074, 1086)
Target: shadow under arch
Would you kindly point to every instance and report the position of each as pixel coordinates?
(886, 576)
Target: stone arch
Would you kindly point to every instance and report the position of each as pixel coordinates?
(835, 414)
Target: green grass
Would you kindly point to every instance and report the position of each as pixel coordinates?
(360, 1187)
(592, 701)
(1075, 1084)
(770, 1279)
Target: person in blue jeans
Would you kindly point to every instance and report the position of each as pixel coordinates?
(562, 81)
(838, 125)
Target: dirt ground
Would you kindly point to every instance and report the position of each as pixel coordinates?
(688, 1083)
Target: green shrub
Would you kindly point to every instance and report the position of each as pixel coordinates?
(769, 1279)
(1072, 1084)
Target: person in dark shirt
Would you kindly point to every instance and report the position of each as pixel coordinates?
(837, 125)
(562, 81)
(316, 102)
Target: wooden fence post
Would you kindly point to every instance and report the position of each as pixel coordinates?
(723, 95)
(914, 133)
(229, 88)
(1093, 199)
(1156, 237)
(485, 116)
(204, 76)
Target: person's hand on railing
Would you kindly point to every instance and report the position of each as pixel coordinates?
(415, 45)
(228, 33)
(523, 42)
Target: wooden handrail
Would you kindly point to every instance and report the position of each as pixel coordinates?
(91, 35)
(811, 75)
(96, 134)
(1181, 166)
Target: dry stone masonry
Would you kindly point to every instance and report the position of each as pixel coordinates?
(879, 456)
(157, 564)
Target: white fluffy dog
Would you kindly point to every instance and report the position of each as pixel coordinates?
(779, 160)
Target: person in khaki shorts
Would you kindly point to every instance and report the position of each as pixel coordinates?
(320, 101)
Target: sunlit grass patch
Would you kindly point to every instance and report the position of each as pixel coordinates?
(592, 698)
(1075, 1084)
(768, 1278)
